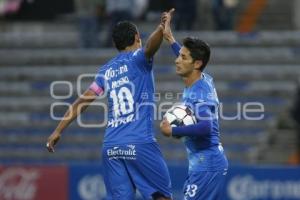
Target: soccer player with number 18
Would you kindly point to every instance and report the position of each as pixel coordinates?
(131, 156)
(207, 161)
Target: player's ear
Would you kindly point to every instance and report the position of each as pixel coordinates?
(137, 38)
(198, 64)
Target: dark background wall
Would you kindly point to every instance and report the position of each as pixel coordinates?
(42, 10)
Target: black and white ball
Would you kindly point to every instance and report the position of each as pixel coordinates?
(180, 115)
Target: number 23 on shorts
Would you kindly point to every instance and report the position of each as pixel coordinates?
(191, 191)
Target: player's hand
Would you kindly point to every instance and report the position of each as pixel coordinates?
(52, 140)
(165, 16)
(163, 19)
(166, 128)
(167, 27)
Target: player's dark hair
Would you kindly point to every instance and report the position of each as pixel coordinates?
(199, 50)
(123, 34)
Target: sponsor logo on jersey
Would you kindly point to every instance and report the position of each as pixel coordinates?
(125, 153)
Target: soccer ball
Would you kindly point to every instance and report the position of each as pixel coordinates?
(180, 115)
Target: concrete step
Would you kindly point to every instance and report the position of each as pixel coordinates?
(249, 55)
(65, 35)
(278, 15)
(250, 139)
(220, 72)
(40, 154)
(80, 147)
(52, 56)
(38, 103)
(81, 143)
(27, 120)
(33, 139)
(228, 111)
(277, 147)
(41, 39)
(163, 88)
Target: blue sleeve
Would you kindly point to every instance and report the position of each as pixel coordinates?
(203, 127)
(141, 60)
(100, 79)
(176, 48)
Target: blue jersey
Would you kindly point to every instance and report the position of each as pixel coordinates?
(205, 152)
(127, 80)
(131, 157)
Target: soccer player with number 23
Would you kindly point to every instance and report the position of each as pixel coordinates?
(207, 162)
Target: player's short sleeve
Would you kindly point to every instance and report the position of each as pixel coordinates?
(98, 86)
(141, 59)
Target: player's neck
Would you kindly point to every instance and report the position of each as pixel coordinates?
(131, 48)
(190, 80)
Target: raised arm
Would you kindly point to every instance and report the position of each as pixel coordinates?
(74, 110)
(167, 32)
(168, 36)
(155, 39)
